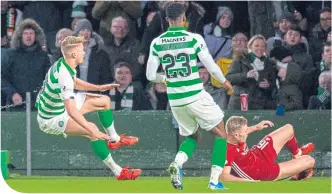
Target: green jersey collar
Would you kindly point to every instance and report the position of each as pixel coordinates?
(176, 28)
(71, 71)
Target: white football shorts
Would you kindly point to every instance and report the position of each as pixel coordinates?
(57, 125)
(203, 113)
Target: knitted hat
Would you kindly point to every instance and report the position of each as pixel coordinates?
(78, 9)
(82, 24)
(288, 16)
(222, 11)
(280, 53)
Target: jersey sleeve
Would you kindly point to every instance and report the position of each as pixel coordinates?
(152, 65)
(66, 84)
(206, 58)
(229, 157)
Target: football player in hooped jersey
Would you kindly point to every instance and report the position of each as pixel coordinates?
(60, 110)
(258, 163)
(177, 50)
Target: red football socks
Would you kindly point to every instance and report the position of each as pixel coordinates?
(292, 146)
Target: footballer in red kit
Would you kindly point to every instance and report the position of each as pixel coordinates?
(258, 163)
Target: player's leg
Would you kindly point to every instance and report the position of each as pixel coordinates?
(209, 116)
(295, 166)
(100, 149)
(102, 104)
(188, 128)
(284, 136)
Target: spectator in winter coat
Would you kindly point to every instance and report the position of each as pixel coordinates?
(95, 68)
(286, 21)
(158, 96)
(105, 11)
(319, 34)
(290, 76)
(26, 64)
(217, 35)
(123, 47)
(253, 74)
(304, 60)
(219, 95)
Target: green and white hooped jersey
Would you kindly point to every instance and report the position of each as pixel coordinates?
(177, 51)
(58, 86)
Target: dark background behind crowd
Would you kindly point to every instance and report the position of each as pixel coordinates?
(279, 53)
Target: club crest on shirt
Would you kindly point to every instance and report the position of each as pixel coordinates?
(61, 123)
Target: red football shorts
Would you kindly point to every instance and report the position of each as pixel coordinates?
(265, 151)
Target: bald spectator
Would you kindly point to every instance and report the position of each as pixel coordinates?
(323, 100)
(123, 47)
(62, 34)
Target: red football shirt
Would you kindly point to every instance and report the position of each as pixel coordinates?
(251, 164)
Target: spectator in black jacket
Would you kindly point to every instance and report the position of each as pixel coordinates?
(123, 47)
(129, 95)
(304, 60)
(25, 65)
(95, 68)
(158, 25)
(318, 35)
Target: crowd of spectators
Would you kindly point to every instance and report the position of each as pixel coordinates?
(286, 60)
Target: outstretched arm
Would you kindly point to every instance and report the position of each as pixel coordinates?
(83, 85)
(206, 58)
(262, 125)
(152, 66)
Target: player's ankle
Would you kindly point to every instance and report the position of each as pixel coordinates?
(115, 138)
(298, 153)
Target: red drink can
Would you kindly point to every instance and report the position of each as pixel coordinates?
(244, 101)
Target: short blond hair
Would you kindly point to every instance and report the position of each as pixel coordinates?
(252, 39)
(234, 123)
(70, 42)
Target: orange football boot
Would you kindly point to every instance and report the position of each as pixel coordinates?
(124, 141)
(128, 174)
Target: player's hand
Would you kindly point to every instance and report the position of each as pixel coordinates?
(17, 99)
(106, 87)
(228, 87)
(100, 135)
(264, 124)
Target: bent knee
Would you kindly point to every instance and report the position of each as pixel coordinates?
(289, 128)
(311, 161)
(106, 101)
(308, 161)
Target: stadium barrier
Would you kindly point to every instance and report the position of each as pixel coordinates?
(55, 155)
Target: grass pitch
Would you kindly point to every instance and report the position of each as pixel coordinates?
(37, 184)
